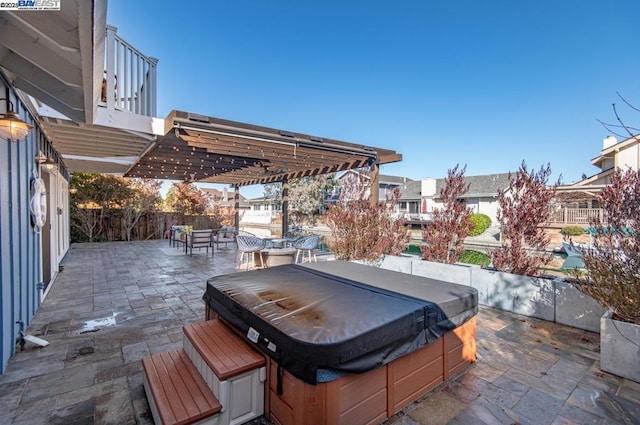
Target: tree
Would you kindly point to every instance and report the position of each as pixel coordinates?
(272, 192)
(186, 199)
(94, 195)
(307, 196)
(621, 129)
(444, 237)
(523, 210)
(354, 185)
(613, 263)
(144, 199)
(362, 231)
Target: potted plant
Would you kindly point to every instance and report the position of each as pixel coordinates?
(613, 274)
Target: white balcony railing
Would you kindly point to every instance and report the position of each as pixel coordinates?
(576, 216)
(129, 82)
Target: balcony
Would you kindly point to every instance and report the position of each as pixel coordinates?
(130, 81)
(575, 216)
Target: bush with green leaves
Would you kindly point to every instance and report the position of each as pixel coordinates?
(481, 222)
(572, 231)
(475, 257)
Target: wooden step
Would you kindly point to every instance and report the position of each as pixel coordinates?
(177, 394)
(231, 368)
(224, 352)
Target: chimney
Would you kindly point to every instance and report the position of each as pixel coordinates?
(428, 187)
(608, 141)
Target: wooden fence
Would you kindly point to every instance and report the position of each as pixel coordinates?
(149, 226)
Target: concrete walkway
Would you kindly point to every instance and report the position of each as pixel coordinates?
(117, 302)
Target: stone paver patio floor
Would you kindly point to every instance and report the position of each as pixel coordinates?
(115, 303)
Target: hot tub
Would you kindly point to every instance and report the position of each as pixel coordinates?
(327, 321)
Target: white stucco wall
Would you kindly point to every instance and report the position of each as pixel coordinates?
(628, 157)
(488, 206)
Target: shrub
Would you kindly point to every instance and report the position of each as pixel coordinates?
(481, 222)
(572, 231)
(365, 231)
(444, 237)
(475, 257)
(524, 208)
(613, 264)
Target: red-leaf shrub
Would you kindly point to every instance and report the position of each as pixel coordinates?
(613, 263)
(362, 230)
(524, 209)
(444, 236)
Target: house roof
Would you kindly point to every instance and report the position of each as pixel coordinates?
(480, 186)
(219, 197)
(383, 178)
(612, 150)
(262, 199)
(207, 149)
(393, 180)
(411, 190)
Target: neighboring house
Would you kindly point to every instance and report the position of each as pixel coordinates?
(261, 211)
(577, 203)
(225, 199)
(386, 184)
(419, 198)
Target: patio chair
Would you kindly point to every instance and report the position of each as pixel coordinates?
(293, 235)
(249, 247)
(199, 239)
(225, 235)
(307, 244)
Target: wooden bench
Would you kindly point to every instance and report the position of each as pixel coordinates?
(177, 394)
(231, 368)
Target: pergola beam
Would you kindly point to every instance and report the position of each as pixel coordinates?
(212, 150)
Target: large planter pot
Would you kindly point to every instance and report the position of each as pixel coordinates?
(527, 295)
(575, 308)
(620, 347)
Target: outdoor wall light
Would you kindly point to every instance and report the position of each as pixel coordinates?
(50, 164)
(11, 126)
(40, 158)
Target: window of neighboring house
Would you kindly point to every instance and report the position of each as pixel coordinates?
(256, 207)
(473, 204)
(595, 203)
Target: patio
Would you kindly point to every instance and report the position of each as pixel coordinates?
(118, 302)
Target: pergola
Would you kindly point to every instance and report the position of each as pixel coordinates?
(206, 149)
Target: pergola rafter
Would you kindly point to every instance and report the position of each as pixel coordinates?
(212, 150)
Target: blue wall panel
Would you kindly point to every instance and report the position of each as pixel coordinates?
(6, 300)
(20, 250)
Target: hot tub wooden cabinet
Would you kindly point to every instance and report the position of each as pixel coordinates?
(347, 343)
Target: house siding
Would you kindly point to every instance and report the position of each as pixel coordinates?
(20, 245)
(628, 158)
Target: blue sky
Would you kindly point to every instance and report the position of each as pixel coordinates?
(482, 83)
